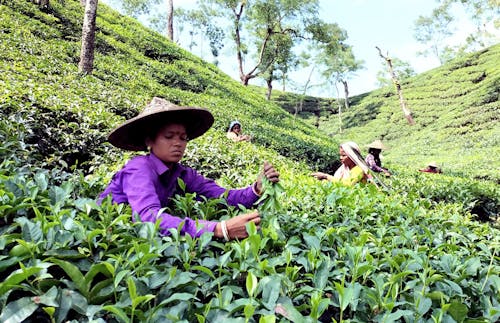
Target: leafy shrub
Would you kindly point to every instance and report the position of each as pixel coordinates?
(323, 252)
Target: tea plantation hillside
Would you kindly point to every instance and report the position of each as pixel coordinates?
(40, 51)
(419, 249)
(456, 109)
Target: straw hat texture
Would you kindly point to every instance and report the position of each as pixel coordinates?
(131, 135)
(377, 144)
(433, 164)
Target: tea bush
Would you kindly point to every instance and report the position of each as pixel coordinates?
(414, 252)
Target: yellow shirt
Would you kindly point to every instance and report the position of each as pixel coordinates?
(347, 176)
(231, 135)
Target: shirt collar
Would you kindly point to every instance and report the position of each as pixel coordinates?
(157, 163)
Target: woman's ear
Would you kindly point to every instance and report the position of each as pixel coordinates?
(148, 142)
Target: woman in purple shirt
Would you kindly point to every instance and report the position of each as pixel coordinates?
(373, 157)
(148, 182)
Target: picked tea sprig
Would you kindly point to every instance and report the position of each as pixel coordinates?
(269, 200)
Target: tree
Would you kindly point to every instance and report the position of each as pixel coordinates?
(403, 70)
(321, 37)
(201, 24)
(397, 84)
(254, 24)
(170, 19)
(433, 30)
(485, 14)
(279, 57)
(340, 65)
(436, 29)
(86, 64)
(136, 8)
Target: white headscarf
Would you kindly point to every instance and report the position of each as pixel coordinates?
(352, 151)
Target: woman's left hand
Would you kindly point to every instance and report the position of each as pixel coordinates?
(270, 173)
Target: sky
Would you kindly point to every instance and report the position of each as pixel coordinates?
(388, 24)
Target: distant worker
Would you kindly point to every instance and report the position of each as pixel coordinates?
(373, 157)
(234, 132)
(353, 169)
(432, 167)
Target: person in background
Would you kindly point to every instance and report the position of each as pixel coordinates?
(373, 157)
(353, 169)
(432, 167)
(234, 132)
(148, 182)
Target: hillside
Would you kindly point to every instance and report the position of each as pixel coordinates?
(420, 248)
(132, 64)
(456, 109)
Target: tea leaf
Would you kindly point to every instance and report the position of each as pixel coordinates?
(18, 310)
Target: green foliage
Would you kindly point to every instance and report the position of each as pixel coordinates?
(324, 252)
(132, 65)
(455, 108)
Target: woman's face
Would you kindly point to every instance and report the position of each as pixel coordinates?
(170, 143)
(236, 128)
(345, 159)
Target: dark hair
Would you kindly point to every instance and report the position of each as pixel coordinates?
(234, 125)
(376, 154)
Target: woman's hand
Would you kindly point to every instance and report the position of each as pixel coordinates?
(236, 226)
(320, 175)
(270, 173)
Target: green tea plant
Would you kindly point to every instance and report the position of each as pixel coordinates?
(323, 252)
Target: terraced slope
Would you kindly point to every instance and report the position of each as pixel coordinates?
(456, 108)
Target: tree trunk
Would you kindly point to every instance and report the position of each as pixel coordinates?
(406, 111)
(340, 108)
(86, 64)
(245, 77)
(346, 94)
(269, 82)
(170, 19)
(306, 86)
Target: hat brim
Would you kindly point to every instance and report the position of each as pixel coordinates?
(376, 145)
(131, 135)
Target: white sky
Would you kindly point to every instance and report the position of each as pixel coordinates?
(388, 24)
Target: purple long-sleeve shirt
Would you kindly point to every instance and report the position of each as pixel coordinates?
(370, 161)
(147, 184)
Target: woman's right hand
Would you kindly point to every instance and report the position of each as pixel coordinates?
(319, 175)
(236, 226)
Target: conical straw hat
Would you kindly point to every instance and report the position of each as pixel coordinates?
(377, 144)
(131, 135)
